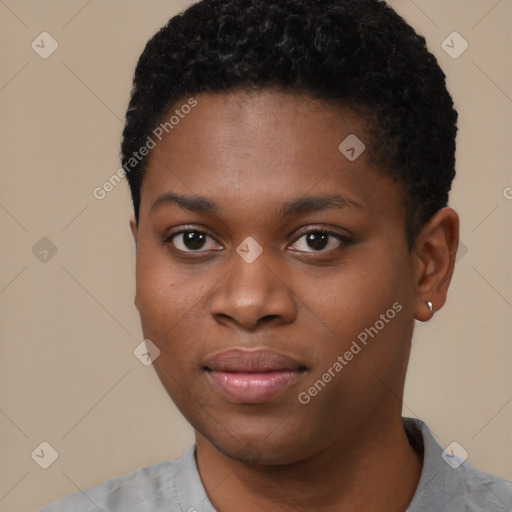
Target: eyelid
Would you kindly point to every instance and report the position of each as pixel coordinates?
(168, 236)
(343, 239)
(321, 229)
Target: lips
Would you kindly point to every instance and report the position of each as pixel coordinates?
(240, 360)
(252, 376)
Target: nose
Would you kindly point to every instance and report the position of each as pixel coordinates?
(252, 294)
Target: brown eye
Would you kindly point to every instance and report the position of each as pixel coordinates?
(318, 241)
(192, 241)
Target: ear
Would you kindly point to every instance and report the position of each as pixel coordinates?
(133, 227)
(435, 252)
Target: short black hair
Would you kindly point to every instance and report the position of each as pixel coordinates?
(356, 53)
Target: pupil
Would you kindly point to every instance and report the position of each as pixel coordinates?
(317, 241)
(193, 240)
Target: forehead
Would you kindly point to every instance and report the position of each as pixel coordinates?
(244, 122)
(262, 146)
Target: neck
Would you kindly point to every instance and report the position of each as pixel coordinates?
(376, 469)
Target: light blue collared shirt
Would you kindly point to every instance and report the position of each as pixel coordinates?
(175, 486)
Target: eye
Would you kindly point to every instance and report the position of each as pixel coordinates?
(318, 241)
(192, 240)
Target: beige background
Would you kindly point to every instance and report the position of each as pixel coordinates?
(68, 375)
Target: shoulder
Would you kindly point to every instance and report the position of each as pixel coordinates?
(481, 491)
(455, 485)
(166, 486)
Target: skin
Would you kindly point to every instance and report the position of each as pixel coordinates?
(250, 153)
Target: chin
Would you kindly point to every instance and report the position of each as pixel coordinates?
(257, 446)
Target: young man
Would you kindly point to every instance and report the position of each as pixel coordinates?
(290, 163)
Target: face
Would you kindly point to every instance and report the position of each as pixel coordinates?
(273, 275)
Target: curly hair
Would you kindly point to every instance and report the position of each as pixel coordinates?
(356, 53)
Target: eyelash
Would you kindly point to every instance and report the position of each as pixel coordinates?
(344, 240)
(188, 229)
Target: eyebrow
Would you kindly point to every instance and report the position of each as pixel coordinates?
(309, 204)
(301, 205)
(193, 203)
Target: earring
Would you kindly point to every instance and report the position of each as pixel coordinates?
(430, 306)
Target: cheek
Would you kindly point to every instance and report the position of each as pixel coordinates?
(164, 300)
(173, 305)
(168, 309)
(355, 297)
(365, 303)
(160, 286)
